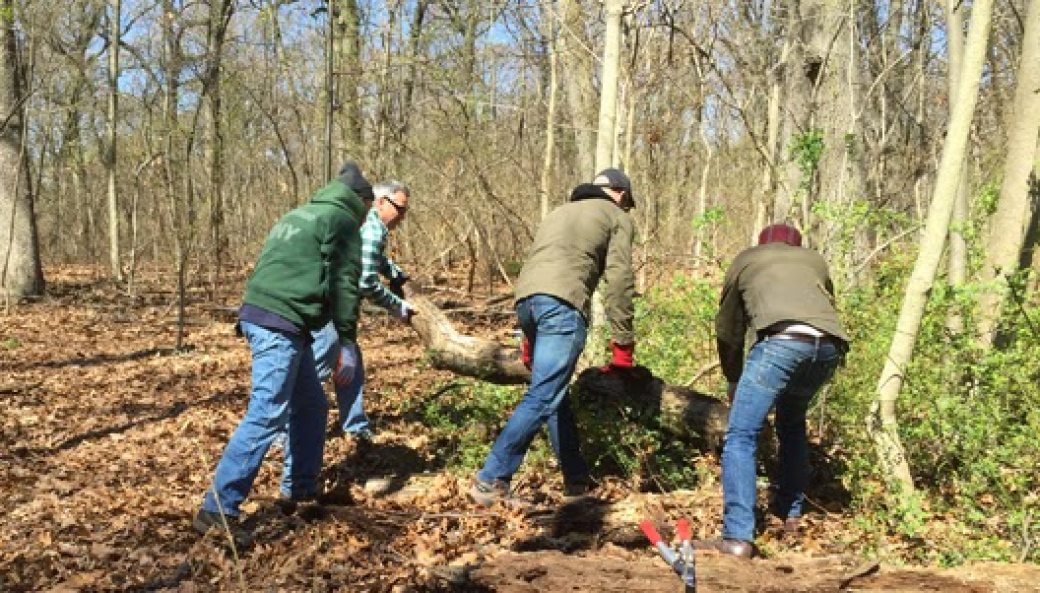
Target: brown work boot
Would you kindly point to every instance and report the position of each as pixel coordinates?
(206, 521)
(486, 494)
(730, 547)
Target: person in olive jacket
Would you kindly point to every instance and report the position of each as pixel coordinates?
(782, 294)
(577, 245)
(306, 276)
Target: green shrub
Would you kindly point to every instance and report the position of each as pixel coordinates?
(675, 340)
(466, 416)
(968, 421)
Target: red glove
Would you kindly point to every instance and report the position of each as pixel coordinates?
(525, 353)
(623, 354)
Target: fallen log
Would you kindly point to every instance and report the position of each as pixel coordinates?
(683, 412)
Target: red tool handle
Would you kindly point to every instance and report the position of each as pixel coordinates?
(650, 531)
(682, 529)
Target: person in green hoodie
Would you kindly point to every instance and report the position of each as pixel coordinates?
(306, 276)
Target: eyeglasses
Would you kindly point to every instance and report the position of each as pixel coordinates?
(402, 210)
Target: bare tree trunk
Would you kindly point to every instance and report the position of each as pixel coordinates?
(384, 157)
(576, 57)
(550, 116)
(330, 85)
(763, 209)
(175, 166)
(607, 134)
(112, 152)
(1015, 209)
(957, 267)
(415, 46)
(21, 274)
(881, 421)
(220, 18)
(801, 70)
(348, 52)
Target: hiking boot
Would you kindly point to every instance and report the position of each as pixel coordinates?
(729, 547)
(289, 504)
(486, 494)
(205, 520)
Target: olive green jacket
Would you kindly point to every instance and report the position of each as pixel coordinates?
(767, 285)
(577, 244)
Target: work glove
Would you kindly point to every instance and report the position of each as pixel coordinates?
(526, 353)
(622, 359)
(346, 365)
(396, 286)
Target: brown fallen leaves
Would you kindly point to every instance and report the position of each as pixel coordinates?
(109, 438)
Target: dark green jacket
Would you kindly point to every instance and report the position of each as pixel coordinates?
(308, 270)
(767, 285)
(577, 244)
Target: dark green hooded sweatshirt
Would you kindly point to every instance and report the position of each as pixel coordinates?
(308, 270)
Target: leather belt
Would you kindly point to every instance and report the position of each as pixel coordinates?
(806, 338)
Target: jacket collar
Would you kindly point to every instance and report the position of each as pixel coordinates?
(587, 191)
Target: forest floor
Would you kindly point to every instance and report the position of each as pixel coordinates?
(110, 436)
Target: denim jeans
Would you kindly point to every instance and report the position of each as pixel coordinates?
(285, 389)
(348, 399)
(557, 333)
(785, 374)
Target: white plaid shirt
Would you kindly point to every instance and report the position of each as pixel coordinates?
(374, 262)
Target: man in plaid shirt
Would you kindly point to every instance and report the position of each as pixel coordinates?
(387, 212)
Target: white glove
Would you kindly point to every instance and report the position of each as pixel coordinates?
(346, 365)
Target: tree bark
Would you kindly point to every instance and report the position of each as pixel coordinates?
(219, 20)
(544, 185)
(577, 62)
(881, 421)
(1015, 208)
(607, 134)
(684, 412)
(112, 152)
(957, 266)
(348, 52)
(21, 274)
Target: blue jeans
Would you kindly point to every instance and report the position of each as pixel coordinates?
(326, 350)
(786, 374)
(285, 389)
(350, 398)
(557, 334)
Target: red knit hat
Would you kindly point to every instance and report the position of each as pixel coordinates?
(780, 233)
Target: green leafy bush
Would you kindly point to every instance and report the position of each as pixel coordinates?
(968, 422)
(675, 333)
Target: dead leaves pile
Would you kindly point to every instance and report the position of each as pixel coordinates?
(109, 438)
